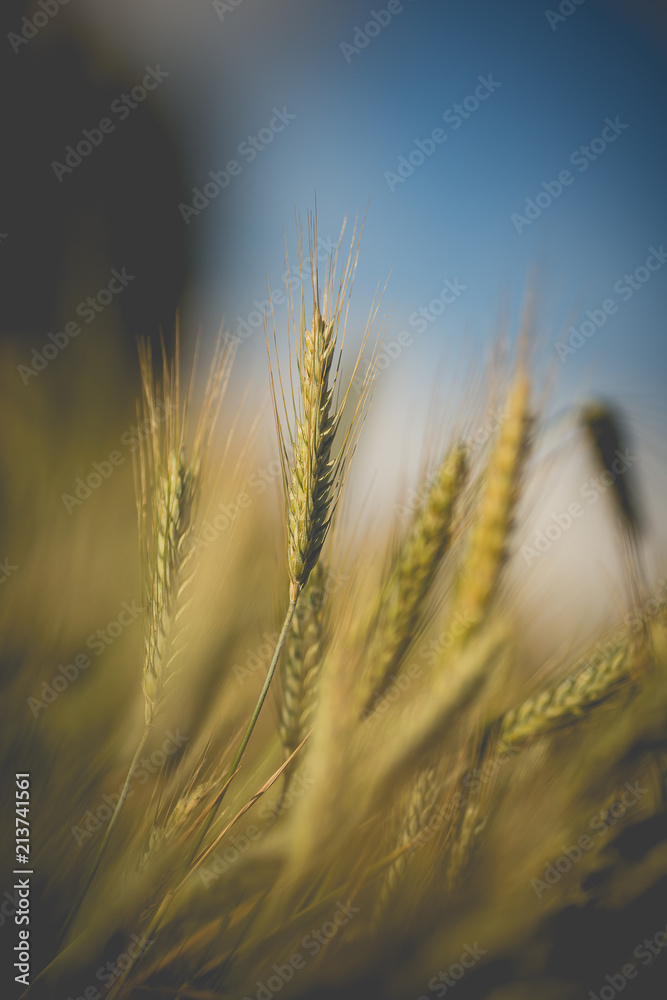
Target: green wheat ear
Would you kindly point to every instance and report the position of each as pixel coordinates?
(418, 562)
(313, 473)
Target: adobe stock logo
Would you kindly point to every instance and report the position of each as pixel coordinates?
(222, 7)
(566, 9)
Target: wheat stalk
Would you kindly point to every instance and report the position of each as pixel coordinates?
(469, 819)
(313, 479)
(487, 554)
(468, 828)
(168, 491)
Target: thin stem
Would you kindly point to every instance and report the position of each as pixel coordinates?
(119, 805)
(260, 701)
(164, 905)
(251, 725)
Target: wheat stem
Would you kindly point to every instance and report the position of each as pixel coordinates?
(251, 725)
(265, 689)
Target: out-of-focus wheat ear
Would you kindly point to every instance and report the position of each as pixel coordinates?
(603, 429)
(163, 832)
(166, 579)
(492, 528)
(463, 840)
(569, 700)
(169, 490)
(415, 572)
(302, 664)
(417, 816)
(469, 819)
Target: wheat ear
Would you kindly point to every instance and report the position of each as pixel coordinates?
(422, 799)
(467, 824)
(167, 576)
(569, 700)
(179, 814)
(313, 474)
(313, 477)
(417, 565)
(168, 488)
(548, 711)
(491, 532)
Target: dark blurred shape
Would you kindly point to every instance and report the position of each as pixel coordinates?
(610, 445)
(118, 207)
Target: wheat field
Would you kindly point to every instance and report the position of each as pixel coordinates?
(273, 755)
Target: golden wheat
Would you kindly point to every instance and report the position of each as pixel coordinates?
(493, 520)
(413, 576)
(228, 877)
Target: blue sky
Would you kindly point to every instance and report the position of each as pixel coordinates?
(356, 113)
